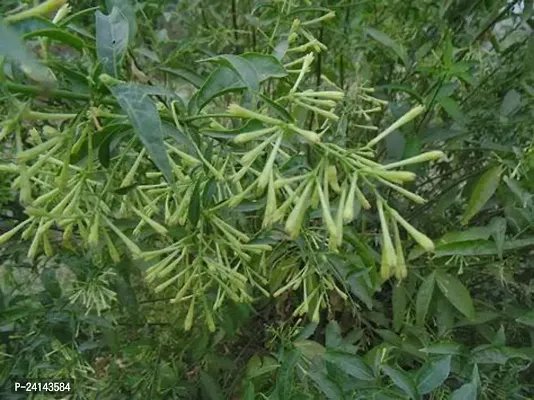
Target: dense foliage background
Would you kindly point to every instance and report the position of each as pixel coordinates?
(274, 199)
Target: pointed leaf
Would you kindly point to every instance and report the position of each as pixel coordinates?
(424, 296)
(145, 119)
(402, 381)
(527, 319)
(350, 364)
(484, 189)
(12, 47)
(326, 385)
(431, 376)
(456, 293)
(453, 109)
(333, 337)
(398, 303)
(510, 103)
(58, 34)
(387, 41)
(210, 386)
(127, 10)
(111, 39)
(466, 392)
(249, 76)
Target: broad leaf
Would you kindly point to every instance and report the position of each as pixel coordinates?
(350, 364)
(12, 47)
(402, 381)
(432, 376)
(453, 109)
(145, 119)
(210, 387)
(111, 39)
(127, 10)
(443, 348)
(333, 337)
(244, 69)
(484, 189)
(510, 103)
(326, 385)
(387, 41)
(466, 392)
(58, 34)
(456, 293)
(527, 319)
(424, 296)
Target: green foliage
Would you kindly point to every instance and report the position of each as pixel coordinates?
(274, 199)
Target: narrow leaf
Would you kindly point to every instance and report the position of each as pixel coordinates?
(351, 364)
(424, 296)
(402, 381)
(433, 375)
(387, 41)
(145, 119)
(111, 39)
(456, 293)
(484, 189)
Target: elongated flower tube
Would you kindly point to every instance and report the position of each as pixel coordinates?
(253, 135)
(428, 156)
(389, 255)
(241, 112)
(268, 168)
(400, 268)
(410, 115)
(423, 240)
(295, 218)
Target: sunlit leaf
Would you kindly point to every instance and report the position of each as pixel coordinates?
(456, 293)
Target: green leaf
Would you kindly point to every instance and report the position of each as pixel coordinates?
(424, 296)
(510, 103)
(190, 76)
(490, 354)
(194, 205)
(210, 386)
(475, 233)
(128, 12)
(32, 24)
(466, 392)
(244, 69)
(226, 79)
(402, 381)
(12, 47)
(498, 231)
(111, 39)
(388, 42)
(58, 34)
(431, 376)
(333, 337)
(330, 388)
(446, 347)
(145, 119)
(456, 293)
(350, 364)
(50, 282)
(399, 303)
(284, 380)
(527, 319)
(452, 108)
(484, 189)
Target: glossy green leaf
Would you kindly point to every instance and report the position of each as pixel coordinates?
(350, 364)
(402, 381)
(244, 69)
(466, 392)
(482, 192)
(490, 354)
(333, 337)
(145, 119)
(111, 39)
(452, 108)
(194, 206)
(432, 375)
(210, 386)
(60, 35)
(510, 103)
(127, 10)
(456, 293)
(527, 319)
(12, 47)
(474, 233)
(226, 78)
(423, 299)
(388, 42)
(445, 347)
(326, 385)
(399, 302)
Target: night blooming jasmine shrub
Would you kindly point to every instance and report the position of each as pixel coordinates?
(236, 199)
(216, 202)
